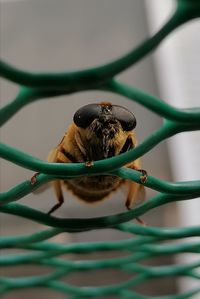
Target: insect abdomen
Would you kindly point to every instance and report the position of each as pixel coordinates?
(93, 188)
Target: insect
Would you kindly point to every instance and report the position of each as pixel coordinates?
(98, 131)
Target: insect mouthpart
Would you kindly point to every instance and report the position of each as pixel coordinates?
(107, 149)
(105, 127)
(105, 132)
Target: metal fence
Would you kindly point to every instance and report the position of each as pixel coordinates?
(146, 242)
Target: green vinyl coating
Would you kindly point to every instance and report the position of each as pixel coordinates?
(140, 243)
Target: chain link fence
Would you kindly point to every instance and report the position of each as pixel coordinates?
(146, 242)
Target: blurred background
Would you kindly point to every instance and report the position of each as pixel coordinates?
(64, 35)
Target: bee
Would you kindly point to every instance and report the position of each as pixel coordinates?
(99, 131)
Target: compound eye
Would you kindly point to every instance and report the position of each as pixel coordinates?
(86, 114)
(125, 117)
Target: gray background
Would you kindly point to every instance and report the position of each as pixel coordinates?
(60, 35)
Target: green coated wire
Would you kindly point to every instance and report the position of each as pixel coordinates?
(80, 224)
(143, 242)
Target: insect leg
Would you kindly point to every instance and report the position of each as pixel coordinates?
(136, 192)
(58, 155)
(34, 178)
(59, 195)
